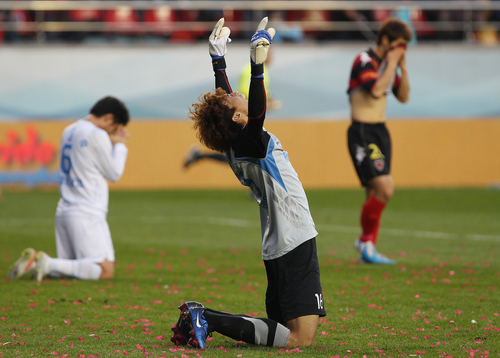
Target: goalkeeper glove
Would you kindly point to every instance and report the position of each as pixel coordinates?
(260, 42)
(218, 40)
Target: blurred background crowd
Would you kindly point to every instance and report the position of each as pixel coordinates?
(161, 22)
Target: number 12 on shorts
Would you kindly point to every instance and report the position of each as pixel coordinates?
(319, 298)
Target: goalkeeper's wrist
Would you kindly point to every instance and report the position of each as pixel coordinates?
(218, 63)
(257, 70)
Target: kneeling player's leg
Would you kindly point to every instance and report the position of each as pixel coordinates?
(108, 269)
(84, 249)
(294, 295)
(84, 269)
(259, 331)
(302, 331)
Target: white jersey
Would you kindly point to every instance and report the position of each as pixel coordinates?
(88, 160)
(286, 221)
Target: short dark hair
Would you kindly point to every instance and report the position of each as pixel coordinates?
(111, 105)
(394, 28)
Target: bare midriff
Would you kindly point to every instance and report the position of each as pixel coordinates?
(366, 108)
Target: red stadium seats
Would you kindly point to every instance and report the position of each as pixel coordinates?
(85, 15)
(121, 20)
(161, 19)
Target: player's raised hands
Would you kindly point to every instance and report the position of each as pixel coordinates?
(260, 42)
(218, 40)
(395, 54)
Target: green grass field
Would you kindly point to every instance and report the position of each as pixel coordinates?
(441, 299)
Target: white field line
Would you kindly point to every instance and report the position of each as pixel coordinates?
(221, 221)
(482, 237)
(26, 222)
(409, 233)
(197, 220)
(393, 232)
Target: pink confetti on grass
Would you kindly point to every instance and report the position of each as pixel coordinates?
(158, 302)
(81, 338)
(139, 347)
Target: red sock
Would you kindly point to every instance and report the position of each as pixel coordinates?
(375, 232)
(370, 219)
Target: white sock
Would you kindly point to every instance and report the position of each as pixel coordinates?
(83, 269)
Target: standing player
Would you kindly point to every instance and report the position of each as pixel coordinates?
(374, 74)
(228, 123)
(92, 152)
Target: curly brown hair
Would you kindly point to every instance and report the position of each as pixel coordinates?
(213, 119)
(394, 28)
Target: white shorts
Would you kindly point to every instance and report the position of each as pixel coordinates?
(84, 236)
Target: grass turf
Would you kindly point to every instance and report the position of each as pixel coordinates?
(441, 299)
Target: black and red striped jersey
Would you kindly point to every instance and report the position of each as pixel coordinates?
(366, 69)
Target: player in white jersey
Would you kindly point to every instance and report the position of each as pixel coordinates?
(92, 152)
(228, 123)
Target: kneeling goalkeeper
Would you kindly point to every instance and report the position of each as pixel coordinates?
(227, 123)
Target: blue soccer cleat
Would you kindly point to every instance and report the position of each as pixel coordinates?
(192, 314)
(370, 255)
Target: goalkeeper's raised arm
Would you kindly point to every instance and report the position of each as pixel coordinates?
(259, 47)
(217, 47)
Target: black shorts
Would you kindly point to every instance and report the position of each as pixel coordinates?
(294, 288)
(370, 149)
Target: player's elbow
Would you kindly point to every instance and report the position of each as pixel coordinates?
(377, 93)
(403, 99)
(114, 176)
